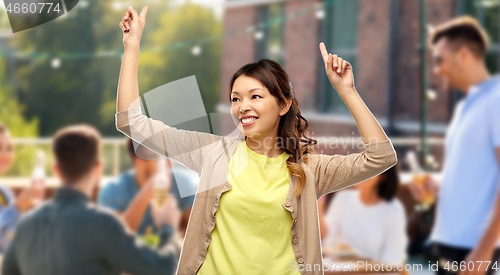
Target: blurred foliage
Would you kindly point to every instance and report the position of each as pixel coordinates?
(83, 90)
(40, 98)
(11, 112)
(184, 23)
(11, 115)
(486, 12)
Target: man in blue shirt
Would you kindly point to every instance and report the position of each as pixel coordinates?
(467, 225)
(131, 193)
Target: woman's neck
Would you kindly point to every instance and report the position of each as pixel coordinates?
(267, 146)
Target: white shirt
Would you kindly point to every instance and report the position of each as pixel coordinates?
(376, 232)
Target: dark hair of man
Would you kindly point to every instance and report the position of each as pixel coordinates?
(463, 31)
(77, 149)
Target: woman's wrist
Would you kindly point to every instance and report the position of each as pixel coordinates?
(132, 46)
(345, 93)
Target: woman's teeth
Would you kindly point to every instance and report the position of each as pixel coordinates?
(247, 120)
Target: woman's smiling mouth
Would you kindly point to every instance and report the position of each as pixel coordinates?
(248, 120)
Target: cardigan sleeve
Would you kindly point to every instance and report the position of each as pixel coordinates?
(186, 147)
(334, 172)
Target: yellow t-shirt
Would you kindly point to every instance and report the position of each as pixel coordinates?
(252, 233)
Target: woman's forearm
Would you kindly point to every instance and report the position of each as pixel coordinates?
(369, 128)
(128, 85)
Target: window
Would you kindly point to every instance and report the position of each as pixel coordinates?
(340, 33)
(487, 12)
(269, 33)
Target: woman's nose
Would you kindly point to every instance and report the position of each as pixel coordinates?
(244, 107)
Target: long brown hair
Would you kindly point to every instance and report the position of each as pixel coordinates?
(292, 125)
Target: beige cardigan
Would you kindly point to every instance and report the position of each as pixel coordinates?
(208, 155)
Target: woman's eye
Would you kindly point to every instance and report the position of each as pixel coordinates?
(234, 99)
(256, 95)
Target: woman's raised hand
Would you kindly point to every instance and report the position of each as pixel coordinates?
(132, 25)
(339, 71)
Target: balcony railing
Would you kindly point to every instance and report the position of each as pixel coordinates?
(117, 161)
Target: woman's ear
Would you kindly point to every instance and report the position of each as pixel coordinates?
(286, 107)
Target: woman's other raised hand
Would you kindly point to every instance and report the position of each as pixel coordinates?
(132, 25)
(338, 70)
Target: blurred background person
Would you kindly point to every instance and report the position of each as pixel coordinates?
(367, 220)
(11, 207)
(68, 235)
(129, 199)
(467, 226)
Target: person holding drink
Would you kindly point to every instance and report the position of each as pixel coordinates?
(422, 185)
(255, 211)
(140, 194)
(466, 231)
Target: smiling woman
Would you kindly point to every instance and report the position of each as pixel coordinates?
(262, 97)
(264, 215)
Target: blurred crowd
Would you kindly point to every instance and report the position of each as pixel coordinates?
(458, 218)
(135, 224)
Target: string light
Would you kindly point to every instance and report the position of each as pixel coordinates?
(196, 50)
(430, 29)
(83, 4)
(431, 161)
(259, 35)
(55, 63)
(320, 14)
(117, 5)
(431, 95)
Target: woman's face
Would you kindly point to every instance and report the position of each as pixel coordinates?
(6, 152)
(260, 113)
